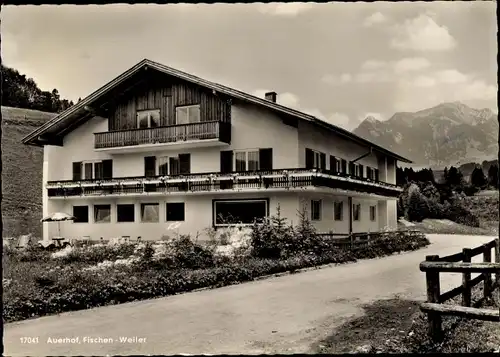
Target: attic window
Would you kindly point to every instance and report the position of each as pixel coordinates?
(148, 118)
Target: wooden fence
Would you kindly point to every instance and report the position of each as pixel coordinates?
(351, 241)
(460, 263)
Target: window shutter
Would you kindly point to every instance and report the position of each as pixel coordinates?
(149, 166)
(77, 171)
(344, 166)
(185, 163)
(266, 159)
(309, 159)
(226, 161)
(322, 161)
(376, 174)
(333, 164)
(351, 168)
(361, 173)
(107, 169)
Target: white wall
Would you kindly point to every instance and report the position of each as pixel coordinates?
(198, 215)
(327, 222)
(313, 137)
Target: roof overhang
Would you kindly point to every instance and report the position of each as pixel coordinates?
(74, 116)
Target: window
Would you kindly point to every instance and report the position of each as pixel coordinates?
(187, 114)
(125, 213)
(175, 211)
(344, 166)
(148, 118)
(338, 167)
(150, 212)
(163, 166)
(246, 160)
(315, 210)
(102, 213)
(369, 173)
(338, 210)
(81, 214)
(373, 212)
(168, 165)
(92, 170)
(239, 212)
(356, 170)
(315, 159)
(356, 211)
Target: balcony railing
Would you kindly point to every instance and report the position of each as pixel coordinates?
(216, 181)
(164, 134)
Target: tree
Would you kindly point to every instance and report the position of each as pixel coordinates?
(21, 92)
(493, 176)
(477, 178)
(455, 179)
(418, 208)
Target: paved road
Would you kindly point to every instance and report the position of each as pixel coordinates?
(279, 315)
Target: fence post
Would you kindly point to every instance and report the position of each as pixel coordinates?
(433, 293)
(466, 295)
(487, 276)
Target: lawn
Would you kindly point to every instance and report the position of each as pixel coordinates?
(38, 283)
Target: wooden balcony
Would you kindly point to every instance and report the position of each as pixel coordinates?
(275, 180)
(201, 134)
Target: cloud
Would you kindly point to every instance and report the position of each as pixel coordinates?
(451, 76)
(373, 19)
(422, 33)
(411, 64)
(365, 115)
(377, 71)
(285, 9)
(373, 64)
(335, 80)
(424, 81)
(292, 101)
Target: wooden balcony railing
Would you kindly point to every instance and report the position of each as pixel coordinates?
(216, 181)
(164, 134)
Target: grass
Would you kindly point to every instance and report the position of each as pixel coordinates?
(21, 172)
(445, 226)
(398, 326)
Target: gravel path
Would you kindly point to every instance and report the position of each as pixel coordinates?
(287, 314)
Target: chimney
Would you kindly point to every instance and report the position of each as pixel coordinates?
(271, 96)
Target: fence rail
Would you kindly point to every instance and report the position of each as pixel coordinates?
(461, 263)
(351, 241)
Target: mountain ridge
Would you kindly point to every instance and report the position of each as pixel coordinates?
(449, 133)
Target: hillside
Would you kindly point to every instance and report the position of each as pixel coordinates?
(445, 135)
(21, 172)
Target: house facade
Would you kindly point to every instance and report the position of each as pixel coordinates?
(157, 151)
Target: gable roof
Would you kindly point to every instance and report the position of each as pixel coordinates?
(65, 119)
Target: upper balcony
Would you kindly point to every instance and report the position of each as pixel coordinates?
(248, 181)
(181, 136)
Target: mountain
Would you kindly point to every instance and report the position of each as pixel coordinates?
(447, 134)
(21, 172)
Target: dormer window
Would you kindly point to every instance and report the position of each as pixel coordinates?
(148, 118)
(187, 114)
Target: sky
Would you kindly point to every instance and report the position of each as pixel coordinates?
(340, 62)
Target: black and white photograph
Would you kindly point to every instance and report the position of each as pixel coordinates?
(250, 178)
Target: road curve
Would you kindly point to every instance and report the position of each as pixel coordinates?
(287, 314)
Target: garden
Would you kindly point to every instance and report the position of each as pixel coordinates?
(38, 282)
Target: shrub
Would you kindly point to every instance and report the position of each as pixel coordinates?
(69, 287)
(458, 213)
(270, 236)
(418, 208)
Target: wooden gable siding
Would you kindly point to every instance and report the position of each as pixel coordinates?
(167, 97)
